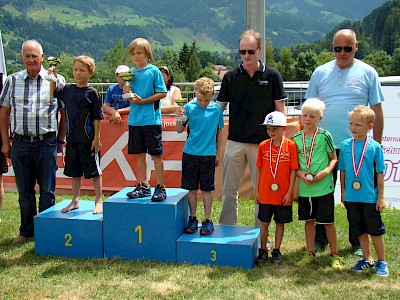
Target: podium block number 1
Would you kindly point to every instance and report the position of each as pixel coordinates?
(69, 238)
(138, 229)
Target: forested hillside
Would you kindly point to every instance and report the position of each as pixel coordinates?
(93, 26)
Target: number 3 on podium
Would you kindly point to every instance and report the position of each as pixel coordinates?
(213, 255)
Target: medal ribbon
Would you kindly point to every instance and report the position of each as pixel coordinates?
(308, 161)
(273, 173)
(357, 170)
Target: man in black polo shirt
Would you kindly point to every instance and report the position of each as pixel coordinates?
(252, 90)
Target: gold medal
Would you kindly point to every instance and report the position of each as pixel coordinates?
(356, 185)
(274, 187)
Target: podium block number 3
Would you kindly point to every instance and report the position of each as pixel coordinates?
(68, 237)
(138, 229)
(213, 255)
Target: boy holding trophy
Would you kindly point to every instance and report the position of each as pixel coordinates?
(144, 119)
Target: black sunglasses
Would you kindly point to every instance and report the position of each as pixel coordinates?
(339, 49)
(251, 52)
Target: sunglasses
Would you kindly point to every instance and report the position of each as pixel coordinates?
(339, 49)
(251, 52)
(164, 68)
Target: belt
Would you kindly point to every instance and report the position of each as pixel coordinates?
(34, 138)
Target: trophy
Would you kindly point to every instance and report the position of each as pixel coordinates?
(127, 76)
(181, 102)
(53, 63)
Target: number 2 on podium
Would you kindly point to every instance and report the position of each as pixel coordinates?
(69, 238)
(138, 229)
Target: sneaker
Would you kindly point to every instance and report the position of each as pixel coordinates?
(357, 251)
(362, 264)
(262, 257)
(308, 259)
(207, 227)
(382, 268)
(192, 225)
(159, 193)
(337, 262)
(140, 191)
(276, 256)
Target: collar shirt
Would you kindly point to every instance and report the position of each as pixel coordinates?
(33, 110)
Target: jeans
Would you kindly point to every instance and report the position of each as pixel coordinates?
(34, 162)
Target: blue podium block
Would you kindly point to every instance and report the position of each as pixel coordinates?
(78, 233)
(234, 246)
(141, 229)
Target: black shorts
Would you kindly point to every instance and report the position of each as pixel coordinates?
(145, 139)
(282, 214)
(364, 218)
(198, 172)
(321, 209)
(81, 160)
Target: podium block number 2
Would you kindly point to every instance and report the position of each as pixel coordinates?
(213, 255)
(68, 238)
(138, 229)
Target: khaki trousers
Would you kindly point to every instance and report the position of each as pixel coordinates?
(237, 156)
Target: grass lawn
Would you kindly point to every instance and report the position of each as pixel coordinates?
(24, 275)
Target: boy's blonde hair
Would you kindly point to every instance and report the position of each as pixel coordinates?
(365, 113)
(142, 44)
(204, 85)
(314, 106)
(86, 60)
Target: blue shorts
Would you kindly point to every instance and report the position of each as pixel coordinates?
(364, 218)
(282, 214)
(198, 172)
(321, 209)
(81, 160)
(145, 139)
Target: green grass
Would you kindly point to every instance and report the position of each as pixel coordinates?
(24, 275)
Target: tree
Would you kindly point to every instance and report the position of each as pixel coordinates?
(325, 56)
(285, 66)
(305, 64)
(184, 54)
(381, 61)
(208, 72)
(194, 67)
(396, 62)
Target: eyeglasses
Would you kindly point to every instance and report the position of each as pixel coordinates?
(251, 52)
(339, 49)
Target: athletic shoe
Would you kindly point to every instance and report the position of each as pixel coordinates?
(192, 225)
(337, 262)
(207, 227)
(382, 268)
(276, 256)
(362, 265)
(357, 251)
(140, 191)
(262, 257)
(308, 259)
(159, 193)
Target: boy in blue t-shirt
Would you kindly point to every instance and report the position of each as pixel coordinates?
(144, 119)
(202, 151)
(360, 159)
